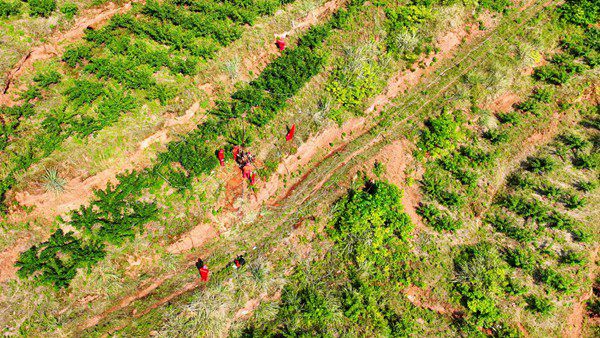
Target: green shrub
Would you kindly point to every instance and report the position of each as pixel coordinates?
(9, 8)
(528, 209)
(372, 226)
(530, 105)
(586, 161)
(508, 227)
(586, 186)
(523, 258)
(161, 92)
(580, 12)
(496, 136)
(539, 164)
(438, 187)
(41, 7)
(561, 68)
(557, 281)
(45, 79)
(593, 307)
(481, 277)
(350, 86)
(438, 220)
(75, 56)
(404, 21)
(514, 287)
(512, 117)
(477, 157)
(84, 92)
(305, 310)
(69, 9)
(574, 141)
(573, 201)
(571, 257)
(441, 133)
(495, 5)
(543, 95)
(550, 191)
(56, 261)
(539, 304)
(30, 94)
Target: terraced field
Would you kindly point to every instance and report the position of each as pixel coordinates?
(441, 181)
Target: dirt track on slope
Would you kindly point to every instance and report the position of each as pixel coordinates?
(307, 149)
(267, 190)
(94, 17)
(79, 190)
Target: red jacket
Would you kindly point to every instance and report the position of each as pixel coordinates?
(204, 273)
(221, 157)
(280, 44)
(290, 134)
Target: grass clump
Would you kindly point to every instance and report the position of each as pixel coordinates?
(53, 182)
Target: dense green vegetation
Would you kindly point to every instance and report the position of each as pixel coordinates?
(117, 213)
(503, 250)
(8, 8)
(116, 72)
(369, 231)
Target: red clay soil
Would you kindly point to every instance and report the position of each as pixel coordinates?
(79, 190)
(396, 158)
(422, 298)
(95, 18)
(311, 147)
(293, 162)
(574, 323)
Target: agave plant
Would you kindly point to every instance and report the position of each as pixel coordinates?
(232, 67)
(53, 182)
(238, 135)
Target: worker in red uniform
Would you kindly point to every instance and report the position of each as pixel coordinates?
(203, 270)
(291, 132)
(280, 44)
(247, 171)
(221, 157)
(252, 179)
(238, 262)
(236, 151)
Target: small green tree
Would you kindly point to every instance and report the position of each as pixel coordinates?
(41, 8)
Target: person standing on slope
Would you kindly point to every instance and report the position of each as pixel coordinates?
(203, 270)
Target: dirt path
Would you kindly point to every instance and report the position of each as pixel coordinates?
(264, 191)
(574, 323)
(94, 17)
(79, 190)
(423, 299)
(267, 190)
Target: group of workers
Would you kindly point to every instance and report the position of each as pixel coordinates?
(244, 160)
(237, 263)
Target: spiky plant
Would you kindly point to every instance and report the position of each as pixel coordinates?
(232, 67)
(238, 135)
(53, 182)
